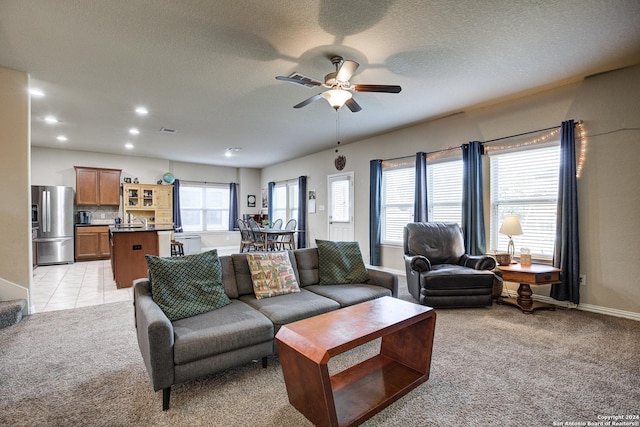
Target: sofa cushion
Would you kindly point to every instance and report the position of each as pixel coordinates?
(289, 308)
(307, 266)
(272, 274)
(340, 263)
(347, 295)
(231, 327)
(186, 286)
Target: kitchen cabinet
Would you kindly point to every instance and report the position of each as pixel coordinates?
(97, 186)
(92, 242)
(150, 201)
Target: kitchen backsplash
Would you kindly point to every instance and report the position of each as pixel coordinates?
(101, 214)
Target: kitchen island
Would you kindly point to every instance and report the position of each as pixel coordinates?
(129, 244)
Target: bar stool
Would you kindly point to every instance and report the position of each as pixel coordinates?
(177, 248)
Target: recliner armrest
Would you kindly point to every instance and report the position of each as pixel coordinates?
(419, 263)
(155, 336)
(478, 262)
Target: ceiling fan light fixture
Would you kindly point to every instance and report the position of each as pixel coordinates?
(337, 97)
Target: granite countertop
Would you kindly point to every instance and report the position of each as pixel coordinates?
(124, 228)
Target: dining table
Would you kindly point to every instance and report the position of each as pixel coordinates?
(268, 233)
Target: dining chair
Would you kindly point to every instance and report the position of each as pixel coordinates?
(246, 238)
(258, 238)
(273, 242)
(287, 239)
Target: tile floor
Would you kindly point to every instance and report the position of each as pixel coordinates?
(60, 287)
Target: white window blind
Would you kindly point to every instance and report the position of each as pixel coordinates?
(398, 193)
(285, 201)
(204, 207)
(340, 203)
(444, 191)
(525, 183)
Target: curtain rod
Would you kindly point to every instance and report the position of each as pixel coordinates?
(413, 155)
(484, 142)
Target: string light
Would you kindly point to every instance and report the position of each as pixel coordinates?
(540, 139)
(582, 156)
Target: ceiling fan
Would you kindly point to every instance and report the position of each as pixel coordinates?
(340, 88)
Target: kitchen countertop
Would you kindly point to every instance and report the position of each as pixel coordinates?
(138, 228)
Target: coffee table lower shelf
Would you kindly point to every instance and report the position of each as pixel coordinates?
(364, 389)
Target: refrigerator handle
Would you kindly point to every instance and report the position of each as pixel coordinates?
(47, 212)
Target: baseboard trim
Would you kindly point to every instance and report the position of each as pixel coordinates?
(585, 307)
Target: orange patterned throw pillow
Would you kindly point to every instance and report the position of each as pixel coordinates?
(272, 274)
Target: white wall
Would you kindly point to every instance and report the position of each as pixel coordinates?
(609, 104)
(15, 223)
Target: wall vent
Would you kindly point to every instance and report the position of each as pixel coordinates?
(167, 130)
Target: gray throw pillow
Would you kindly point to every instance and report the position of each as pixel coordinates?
(186, 286)
(340, 263)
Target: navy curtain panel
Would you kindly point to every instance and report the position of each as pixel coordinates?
(177, 217)
(420, 209)
(302, 212)
(375, 226)
(472, 200)
(233, 206)
(566, 253)
(270, 186)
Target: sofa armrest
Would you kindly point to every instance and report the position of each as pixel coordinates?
(478, 262)
(155, 336)
(385, 279)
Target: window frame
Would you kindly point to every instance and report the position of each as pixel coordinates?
(203, 209)
(406, 204)
(500, 207)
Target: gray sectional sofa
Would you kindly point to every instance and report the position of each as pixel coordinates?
(174, 352)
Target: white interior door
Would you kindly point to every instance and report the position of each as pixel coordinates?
(341, 207)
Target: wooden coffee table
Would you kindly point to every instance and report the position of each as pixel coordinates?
(357, 393)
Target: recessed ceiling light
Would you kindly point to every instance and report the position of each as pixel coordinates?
(142, 111)
(51, 120)
(134, 131)
(62, 138)
(128, 146)
(34, 91)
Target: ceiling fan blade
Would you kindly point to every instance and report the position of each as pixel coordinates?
(346, 70)
(308, 101)
(377, 88)
(353, 105)
(301, 81)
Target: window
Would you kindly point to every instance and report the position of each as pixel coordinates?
(525, 183)
(285, 201)
(444, 191)
(398, 193)
(204, 207)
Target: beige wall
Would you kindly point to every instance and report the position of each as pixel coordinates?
(15, 222)
(609, 192)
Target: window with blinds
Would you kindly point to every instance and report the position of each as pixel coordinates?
(525, 183)
(340, 210)
(285, 201)
(398, 192)
(444, 191)
(204, 207)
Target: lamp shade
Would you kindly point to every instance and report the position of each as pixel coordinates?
(337, 97)
(511, 226)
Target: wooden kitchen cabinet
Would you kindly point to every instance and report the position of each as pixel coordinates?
(92, 242)
(97, 186)
(128, 260)
(150, 201)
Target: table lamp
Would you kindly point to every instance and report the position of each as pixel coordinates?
(511, 227)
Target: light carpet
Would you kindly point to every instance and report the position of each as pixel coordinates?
(491, 367)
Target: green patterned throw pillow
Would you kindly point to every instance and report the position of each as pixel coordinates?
(272, 274)
(186, 286)
(340, 263)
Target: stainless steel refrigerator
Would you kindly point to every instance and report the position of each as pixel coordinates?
(52, 214)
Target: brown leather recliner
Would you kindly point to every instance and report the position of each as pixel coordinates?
(440, 273)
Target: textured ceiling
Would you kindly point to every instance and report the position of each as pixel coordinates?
(207, 68)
